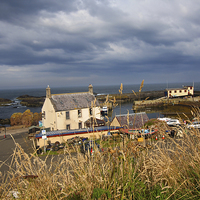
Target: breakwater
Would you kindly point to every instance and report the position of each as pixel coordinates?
(130, 97)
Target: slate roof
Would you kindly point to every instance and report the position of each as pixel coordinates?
(71, 101)
(138, 119)
(183, 88)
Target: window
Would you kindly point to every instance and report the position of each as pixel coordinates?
(90, 110)
(170, 91)
(174, 91)
(185, 90)
(180, 91)
(79, 113)
(80, 125)
(43, 115)
(68, 126)
(190, 88)
(67, 115)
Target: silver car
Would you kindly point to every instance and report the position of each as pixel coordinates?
(195, 124)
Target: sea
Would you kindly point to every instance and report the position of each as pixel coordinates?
(12, 94)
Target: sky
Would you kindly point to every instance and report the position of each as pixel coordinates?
(65, 43)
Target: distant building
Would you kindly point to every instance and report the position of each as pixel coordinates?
(134, 120)
(69, 111)
(179, 92)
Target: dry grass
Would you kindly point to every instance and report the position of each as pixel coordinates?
(171, 170)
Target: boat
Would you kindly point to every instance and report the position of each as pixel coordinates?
(137, 133)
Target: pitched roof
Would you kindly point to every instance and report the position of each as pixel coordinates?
(135, 119)
(183, 88)
(71, 101)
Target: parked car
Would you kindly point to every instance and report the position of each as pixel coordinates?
(195, 124)
(90, 147)
(173, 122)
(165, 119)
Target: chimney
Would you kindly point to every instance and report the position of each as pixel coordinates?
(90, 87)
(48, 92)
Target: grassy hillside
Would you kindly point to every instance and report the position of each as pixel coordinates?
(165, 169)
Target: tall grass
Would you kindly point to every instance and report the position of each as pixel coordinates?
(169, 170)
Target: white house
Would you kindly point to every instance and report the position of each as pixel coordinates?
(69, 111)
(177, 92)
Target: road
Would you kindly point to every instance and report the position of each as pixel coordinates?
(7, 145)
(20, 136)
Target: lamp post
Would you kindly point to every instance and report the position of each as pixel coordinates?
(5, 132)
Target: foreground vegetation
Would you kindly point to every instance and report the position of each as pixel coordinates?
(170, 169)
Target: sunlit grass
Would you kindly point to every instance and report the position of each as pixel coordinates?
(168, 170)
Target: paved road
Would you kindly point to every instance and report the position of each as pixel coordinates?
(7, 145)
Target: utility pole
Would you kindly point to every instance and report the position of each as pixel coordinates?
(5, 132)
(120, 91)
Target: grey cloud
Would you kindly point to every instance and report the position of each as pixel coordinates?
(13, 10)
(90, 38)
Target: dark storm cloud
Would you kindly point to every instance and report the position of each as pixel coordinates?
(12, 11)
(81, 40)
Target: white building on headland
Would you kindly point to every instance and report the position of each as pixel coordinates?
(69, 111)
(178, 92)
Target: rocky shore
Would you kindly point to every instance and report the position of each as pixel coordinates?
(5, 102)
(31, 101)
(25, 100)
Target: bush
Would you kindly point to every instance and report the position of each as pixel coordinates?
(27, 118)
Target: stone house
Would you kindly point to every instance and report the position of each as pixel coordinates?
(69, 111)
(134, 120)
